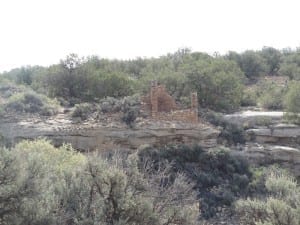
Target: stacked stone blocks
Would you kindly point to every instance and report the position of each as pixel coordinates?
(163, 107)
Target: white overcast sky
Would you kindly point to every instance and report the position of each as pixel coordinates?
(41, 32)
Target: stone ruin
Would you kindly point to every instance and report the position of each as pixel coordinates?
(162, 106)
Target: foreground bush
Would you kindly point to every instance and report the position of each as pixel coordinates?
(31, 181)
(219, 177)
(41, 184)
(280, 207)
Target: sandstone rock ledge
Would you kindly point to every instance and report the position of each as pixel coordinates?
(280, 134)
(284, 156)
(91, 136)
(252, 118)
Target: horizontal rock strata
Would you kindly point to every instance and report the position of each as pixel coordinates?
(91, 136)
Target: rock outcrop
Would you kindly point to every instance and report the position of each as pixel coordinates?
(269, 139)
(284, 156)
(282, 134)
(90, 136)
(265, 144)
(266, 127)
(255, 118)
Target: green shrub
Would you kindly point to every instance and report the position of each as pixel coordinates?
(272, 97)
(2, 140)
(78, 78)
(131, 109)
(84, 110)
(232, 133)
(32, 181)
(280, 206)
(218, 84)
(31, 102)
(129, 106)
(1, 110)
(129, 117)
(249, 97)
(116, 85)
(113, 105)
(292, 118)
(292, 102)
(8, 88)
(252, 64)
(41, 184)
(220, 177)
(291, 69)
(110, 105)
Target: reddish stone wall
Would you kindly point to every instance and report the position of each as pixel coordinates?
(163, 107)
(160, 100)
(187, 116)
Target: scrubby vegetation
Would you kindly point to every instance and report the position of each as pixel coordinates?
(41, 184)
(219, 80)
(128, 107)
(218, 176)
(31, 102)
(21, 99)
(292, 102)
(84, 110)
(231, 133)
(279, 205)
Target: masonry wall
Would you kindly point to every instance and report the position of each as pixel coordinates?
(160, 100)
(187, 116)
(163, 107)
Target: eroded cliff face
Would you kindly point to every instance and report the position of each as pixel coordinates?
(269, 139)
(280, 134)
(275, 143)
(91, 135)
(267, 128)
(263, 155)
